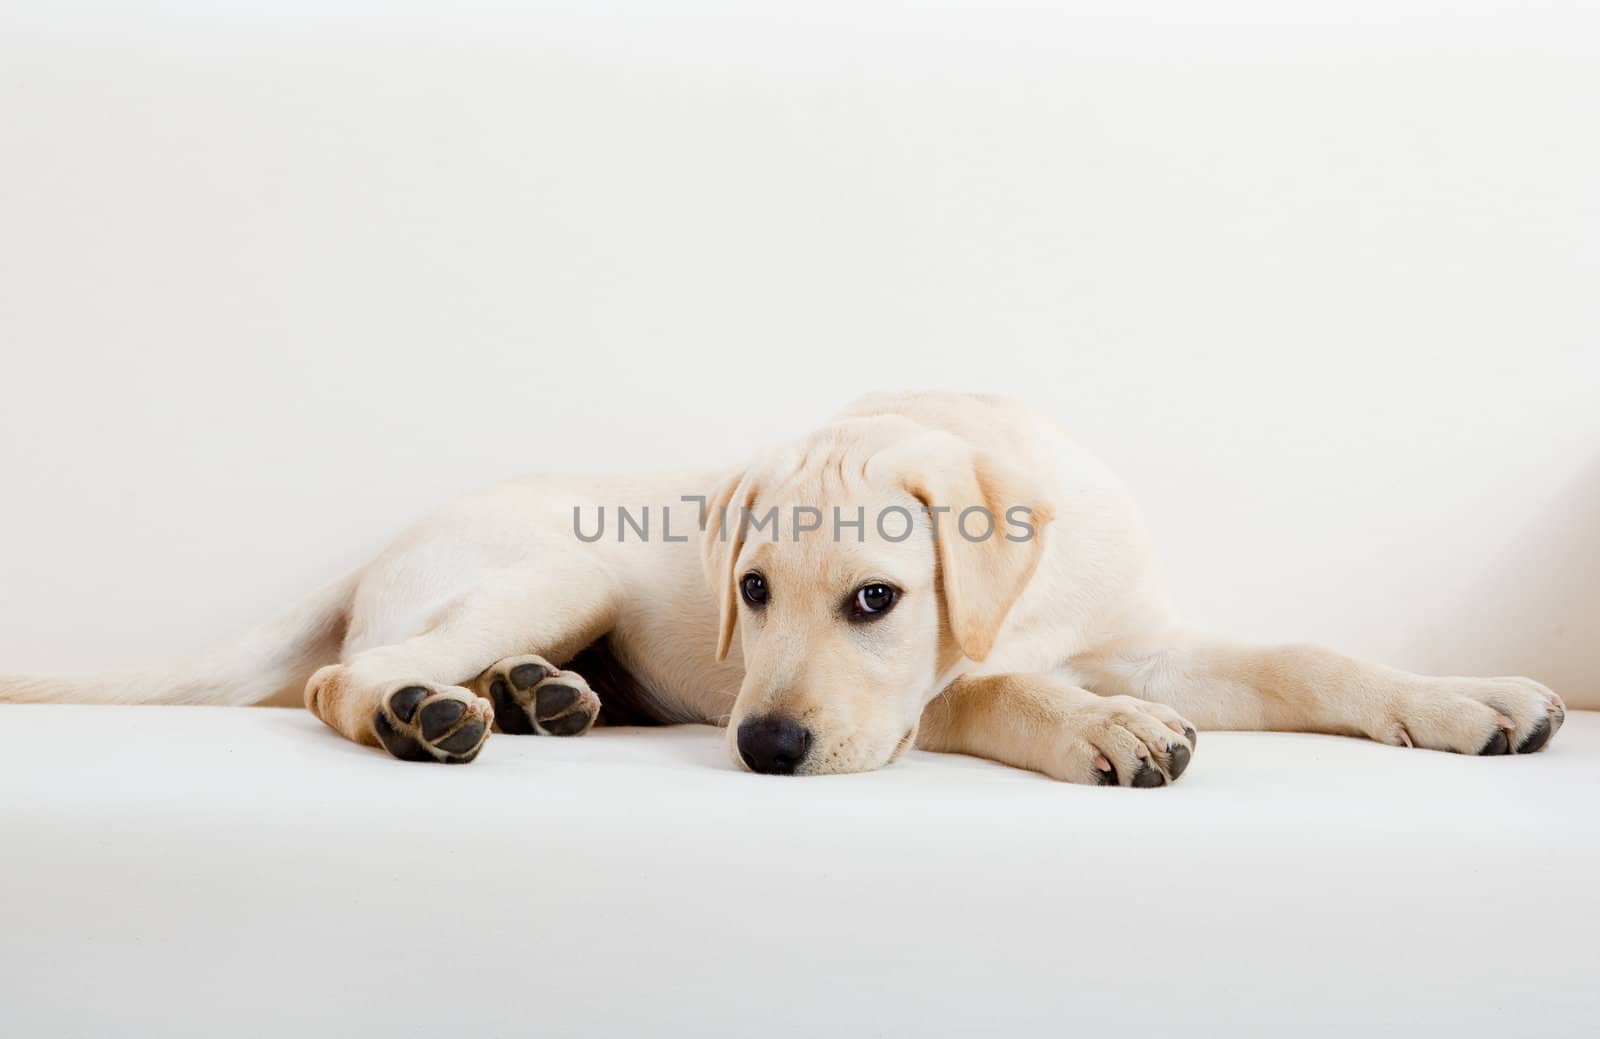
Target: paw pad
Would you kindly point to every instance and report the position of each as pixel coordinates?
(418, 723)
(1536, 739)
(531, 697)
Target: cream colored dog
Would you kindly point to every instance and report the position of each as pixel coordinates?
(941, 570)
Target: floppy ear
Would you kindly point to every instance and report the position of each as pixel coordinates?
(981, 577)
(722, 536)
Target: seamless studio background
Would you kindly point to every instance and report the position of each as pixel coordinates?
(1318, 281)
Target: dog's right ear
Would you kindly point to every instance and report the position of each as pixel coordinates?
(721, 537)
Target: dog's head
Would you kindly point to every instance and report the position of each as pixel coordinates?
(859, 569)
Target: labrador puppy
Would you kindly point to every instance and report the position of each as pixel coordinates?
(943, 571)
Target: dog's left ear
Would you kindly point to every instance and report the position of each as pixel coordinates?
(989, 523)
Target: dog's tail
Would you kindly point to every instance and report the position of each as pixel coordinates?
(278, 655)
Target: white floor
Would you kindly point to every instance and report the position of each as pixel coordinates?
(204, 871)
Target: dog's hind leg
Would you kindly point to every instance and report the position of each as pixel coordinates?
(412, 697)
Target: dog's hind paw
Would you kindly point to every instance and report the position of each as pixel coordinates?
(531, 696)
(433, 723)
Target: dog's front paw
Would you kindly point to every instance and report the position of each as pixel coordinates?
(1123, 741)
(433, 723)
(1475, 716)
(531, 696)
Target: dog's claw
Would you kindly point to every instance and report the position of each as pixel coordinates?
(1178, 759)
(1148, 775)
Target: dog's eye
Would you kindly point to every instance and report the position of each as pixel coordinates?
(754, 589)
(872, 600)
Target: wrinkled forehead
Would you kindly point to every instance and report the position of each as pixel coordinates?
(824, 507)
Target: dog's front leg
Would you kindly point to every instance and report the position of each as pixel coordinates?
(1042, 723)
(1301, 688)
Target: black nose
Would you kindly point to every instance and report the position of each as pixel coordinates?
(773, 744)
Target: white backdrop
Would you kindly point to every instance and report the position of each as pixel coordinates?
(1319, 279)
